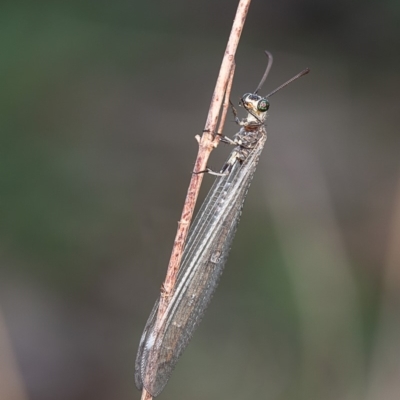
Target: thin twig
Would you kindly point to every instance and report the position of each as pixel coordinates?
(146, 395)
(207, 143)
(226, 103)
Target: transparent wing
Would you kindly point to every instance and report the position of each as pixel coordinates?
(146, 332)
(205, 254)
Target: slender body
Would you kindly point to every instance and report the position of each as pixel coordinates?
(206, 251)
(203, 260)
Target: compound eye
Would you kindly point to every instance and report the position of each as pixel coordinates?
(263, 105)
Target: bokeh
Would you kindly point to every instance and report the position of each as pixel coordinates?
(100, 103)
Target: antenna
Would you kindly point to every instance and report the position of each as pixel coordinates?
(269, 65)
(304, 72)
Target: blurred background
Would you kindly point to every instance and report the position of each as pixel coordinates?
(100, 103)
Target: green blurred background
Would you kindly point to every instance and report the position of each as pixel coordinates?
(100, 103)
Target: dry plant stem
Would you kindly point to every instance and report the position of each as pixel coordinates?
(145, 395)
(207, 143)
(226, 104)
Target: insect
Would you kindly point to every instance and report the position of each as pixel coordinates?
(207, 248)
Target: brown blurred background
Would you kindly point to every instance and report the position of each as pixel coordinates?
(100, 103)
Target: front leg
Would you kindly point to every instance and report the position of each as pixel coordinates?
(234, 112)
(226, 139)
(234, 142)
